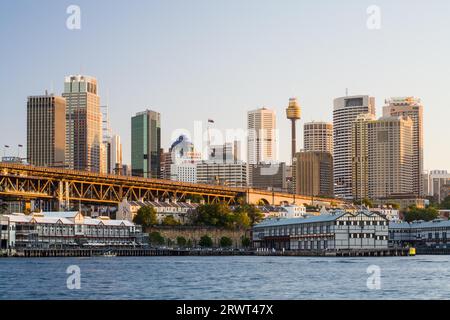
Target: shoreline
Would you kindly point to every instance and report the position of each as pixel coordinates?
(140, 252)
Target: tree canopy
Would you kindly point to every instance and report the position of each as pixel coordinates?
(156, 238)
(427, 214)
(445, 204)
(170, 221)
(221, 216)
(205, 242)
(226, 242)
(146, 217)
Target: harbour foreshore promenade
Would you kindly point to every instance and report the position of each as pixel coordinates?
(137, 252)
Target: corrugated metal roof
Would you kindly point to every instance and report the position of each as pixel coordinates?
(421, 225)
(55, 214)
(282, 222)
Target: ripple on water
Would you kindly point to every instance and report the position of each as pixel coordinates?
(226, 278)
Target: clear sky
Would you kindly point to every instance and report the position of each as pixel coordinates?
(197, 59)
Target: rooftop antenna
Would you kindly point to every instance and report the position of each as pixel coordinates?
(346, 92)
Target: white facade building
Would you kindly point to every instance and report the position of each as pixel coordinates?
(262, 136)
(346, 110)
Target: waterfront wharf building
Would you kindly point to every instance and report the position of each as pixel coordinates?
(363, 230)
(180, 211)
(345, 112)
(420, 234)
(46, 130)
(65, 230)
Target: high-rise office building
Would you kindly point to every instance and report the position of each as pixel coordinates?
(360, 156)
(314, 173)
(232, 174)
(390, 154)
(262, 136)
(318, 136)
(83, 124)
(115, 155)
(46, 130)
(183, 160)
(411, 107)
(268, 176)
(346, 109)
(434, 181)
(166, 162)
(146, 144)
(106, 166)
(227, 152)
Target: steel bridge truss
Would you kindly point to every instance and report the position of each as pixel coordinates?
(69, 186)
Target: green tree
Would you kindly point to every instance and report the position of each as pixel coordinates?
(240, 220)
(395, 206)
(366, 202)
(189, 243)
(427, 214)
(254, 214)
(170, 221)
(226, 242)
(155, 238)
(445, 204)
(205, 242)
(246, 242)
(146, 217)
(216, 215)
(181, 241)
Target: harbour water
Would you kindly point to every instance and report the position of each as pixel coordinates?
(234, 277)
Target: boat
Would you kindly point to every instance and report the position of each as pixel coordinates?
(109, 254)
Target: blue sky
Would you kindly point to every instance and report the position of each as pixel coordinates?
(198, 59)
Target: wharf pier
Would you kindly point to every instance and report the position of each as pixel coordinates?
(146, 252)
(388, 252)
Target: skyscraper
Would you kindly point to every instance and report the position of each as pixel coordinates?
(411, 107)
(146, 144)
(83, 123)
(314, 170)
(360, 156)
(115, 155)
(46, 130)
(262, 138)
(346, 109)
(390, 152)
(106, 166)
(227, 152)
(318, 136)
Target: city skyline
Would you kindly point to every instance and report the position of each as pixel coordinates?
(220, 85)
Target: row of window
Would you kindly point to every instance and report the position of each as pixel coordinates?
(299, 230)
(367, 236)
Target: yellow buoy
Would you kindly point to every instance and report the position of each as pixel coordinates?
(412, 251)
